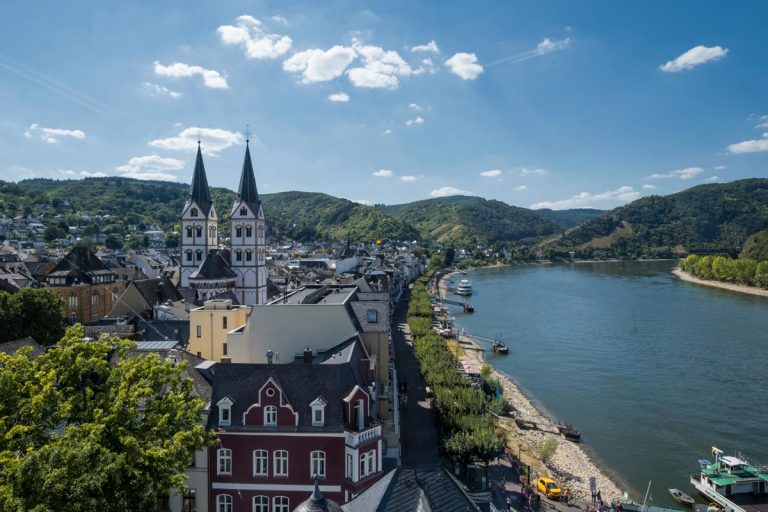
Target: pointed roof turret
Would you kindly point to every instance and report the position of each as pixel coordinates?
(200, 192)
(247, 191)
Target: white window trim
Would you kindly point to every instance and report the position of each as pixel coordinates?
(276, 466)
(287, 503)
(322, 457)
(318, 405)
(267, 410)
(266, 463)
(223, 454)
(225, 404)
(221, 506)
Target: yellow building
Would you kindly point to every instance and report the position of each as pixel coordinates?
(209, 325)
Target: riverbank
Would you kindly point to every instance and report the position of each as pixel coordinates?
(751, 290)
(570, 465)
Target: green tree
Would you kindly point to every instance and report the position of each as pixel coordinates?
(547, 449)
(53, 232)
(89, 426)
(35, 312)
(112, 242)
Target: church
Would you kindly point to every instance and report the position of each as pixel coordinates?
(238, 270)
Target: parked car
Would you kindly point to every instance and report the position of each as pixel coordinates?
(548, 488)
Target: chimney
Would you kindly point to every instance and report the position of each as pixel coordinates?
(308, 356)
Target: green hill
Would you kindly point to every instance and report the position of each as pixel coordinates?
(466, 220)
(703, 219)
(570, 218)
(756, 247)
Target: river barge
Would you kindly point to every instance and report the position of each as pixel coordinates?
(733, 483)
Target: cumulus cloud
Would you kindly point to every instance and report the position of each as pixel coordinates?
(464, 65)
(84, 174)
(532, 171)
(546, 46)
(763, 122)
(280, 19)
(249, 34)
(211, 78)
(417, 120)
(151, 167)
(320, 66)
(683, 174)
(712, 178)
(381, 69)
(158, 90)
(648, 186)
(52, 135)
(694, 57)
(750, 146)
(426, 66)
(408, 178)
(214, 140)
(415, 107)
(623, 194)
(491, 174)
(384, 173)
(430, 47)
(339, 97)
(450, 191)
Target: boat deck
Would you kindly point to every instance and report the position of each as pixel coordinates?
(750, 502)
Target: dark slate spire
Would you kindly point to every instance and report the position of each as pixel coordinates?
(200, 193)
(247, 191)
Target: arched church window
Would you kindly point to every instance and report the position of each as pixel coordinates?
(189, 255)
(248, 255)
(243, 211)
(193, 212)
(261, 257)
(199, 231)
(199, 255)
(189, 232)
(239, 231)
(249, 231)
(238, 255)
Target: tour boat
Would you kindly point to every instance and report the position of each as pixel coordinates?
(682, 497)
(464, 288)
(733, 483)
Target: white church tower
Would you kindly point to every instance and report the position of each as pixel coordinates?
(199, 223)
(248, 239)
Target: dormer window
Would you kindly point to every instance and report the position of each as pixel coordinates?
(193, 212)
(270, 416)
(318, 412)
(225, 412)
(243, 211)
(373, 316)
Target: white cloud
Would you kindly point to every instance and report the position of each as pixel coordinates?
(339, 97)
(249, 34)
(649, 187)
(362, 201)
(52, 135)
(521, 187)
(683, 174)
(426, 66)
(211, 78)
(84, 174)
(712, 178)
(417, 120)
(763, 122)
(719, 167)
(464, 65)
(450, 191)
(750, 146)
(622, 195)
(491, 174)
(532, 171)
(546, 46)
(387, 132)
(381, 68)
(320, 66)
(694, 57)
(408, 178)
(430, 47)
(158, 90)
(384, 173)
(415, 107)
(214, 140)
(151, 167)
(280, 19)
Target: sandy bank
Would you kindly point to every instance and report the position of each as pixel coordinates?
(719, 284)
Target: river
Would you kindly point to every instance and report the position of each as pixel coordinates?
(653, 371)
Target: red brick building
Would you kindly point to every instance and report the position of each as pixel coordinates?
(280, 424)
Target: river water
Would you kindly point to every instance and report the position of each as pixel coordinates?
(654, 371)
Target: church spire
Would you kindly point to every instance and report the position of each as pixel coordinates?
(200, 193)
(247, 191)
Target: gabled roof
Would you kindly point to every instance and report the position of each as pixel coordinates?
(157, 290)
(215, 267)
(11, 347)
(201, 195)
(247, 191)
(80, 262)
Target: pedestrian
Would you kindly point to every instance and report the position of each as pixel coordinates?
(599, 498)
(594, 496)
(509, 502)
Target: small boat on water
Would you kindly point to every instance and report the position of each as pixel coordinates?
(731, 482)
(499, 347)
(464, 288)
(570, 432)
(682, 497)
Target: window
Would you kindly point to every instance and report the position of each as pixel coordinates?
(368, 463)
(224, 349)
(95, 300)
(260, 462)
(260, 504)
(280, 504)
(199, 255)
(360, 415)
(270, 415)
(317, 464)
(239, 231)
(238, 255)
(373, 316)
(349, 465)
(224, 323)
(223, 503)
(199, 231)
(189, 232)
(72, 301)
(243, 211)
(280, 463)
(199, 331)
(189, 501)
(317, 416)
(261, 257)
(249, 231)
(193, 212)
(225, 412)
(189, 255)
(224, 456)
(249, 255)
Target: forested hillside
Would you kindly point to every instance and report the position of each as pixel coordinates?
(570, 218)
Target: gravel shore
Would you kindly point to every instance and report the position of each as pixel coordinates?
(685, 276)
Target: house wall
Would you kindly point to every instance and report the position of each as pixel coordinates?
(85, 311)
(207, 334)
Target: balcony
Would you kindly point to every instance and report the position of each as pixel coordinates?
(354, 440)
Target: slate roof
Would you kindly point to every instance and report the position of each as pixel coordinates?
(247, 191)
(301, 384)
(82, 263)
(215, 267)
(200, 194)
(413, 488)
(10, 347)
(157, 290)
(360, 309)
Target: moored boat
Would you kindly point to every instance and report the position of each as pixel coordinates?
(681, 497)
(570, 432)
(499, 347)
(464, 288)
(733, 483)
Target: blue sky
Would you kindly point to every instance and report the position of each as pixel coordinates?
(543, 104)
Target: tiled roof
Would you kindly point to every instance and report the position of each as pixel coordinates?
(215, 267)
